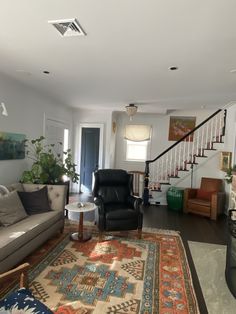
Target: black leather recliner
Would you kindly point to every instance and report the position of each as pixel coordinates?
(118, 209)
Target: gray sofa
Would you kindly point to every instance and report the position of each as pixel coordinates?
(23, 237)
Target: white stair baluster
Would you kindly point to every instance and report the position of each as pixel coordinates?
(211, 134)
(202, 137)
(206, 140)
(175, 162)
(193, 150)
(179, 150)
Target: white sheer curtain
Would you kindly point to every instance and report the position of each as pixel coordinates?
(137, 132)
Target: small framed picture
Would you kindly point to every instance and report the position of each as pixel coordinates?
(225, 161)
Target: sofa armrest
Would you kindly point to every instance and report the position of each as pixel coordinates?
(56, 194)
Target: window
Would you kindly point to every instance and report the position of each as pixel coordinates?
(136, 151)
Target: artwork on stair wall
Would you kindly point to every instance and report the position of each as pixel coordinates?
(225, 161)
(12, 146)
(180, 126)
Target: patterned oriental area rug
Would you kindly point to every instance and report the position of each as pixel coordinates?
(114, 276)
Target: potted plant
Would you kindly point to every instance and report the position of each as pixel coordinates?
(48, 166)
(229, 174)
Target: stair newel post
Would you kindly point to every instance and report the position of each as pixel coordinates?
(146, 183)
(224, 123)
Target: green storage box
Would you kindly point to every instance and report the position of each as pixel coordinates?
(175, 198)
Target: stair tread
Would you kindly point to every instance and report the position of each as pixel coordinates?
(210, 149)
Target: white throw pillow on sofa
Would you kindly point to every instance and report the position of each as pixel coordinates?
(3, 190)
(11, 209)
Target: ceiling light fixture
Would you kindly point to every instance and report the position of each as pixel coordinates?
(131, 110)
(4, 109)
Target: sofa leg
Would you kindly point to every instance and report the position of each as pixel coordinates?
(139, 233)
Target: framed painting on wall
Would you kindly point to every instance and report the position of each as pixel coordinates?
(180, 126)
(12, 146)
(225, 161)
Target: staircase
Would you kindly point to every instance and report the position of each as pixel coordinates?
(180, 158)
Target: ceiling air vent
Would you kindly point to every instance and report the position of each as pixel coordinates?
(68, 27)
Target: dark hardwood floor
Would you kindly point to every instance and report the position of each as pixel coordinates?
(191, 227)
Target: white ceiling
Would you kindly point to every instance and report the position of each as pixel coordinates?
(127, 51)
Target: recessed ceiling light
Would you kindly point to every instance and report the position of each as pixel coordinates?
(46, 72)
(233, 71)
(173, 68)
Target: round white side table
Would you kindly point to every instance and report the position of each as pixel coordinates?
(86, 207)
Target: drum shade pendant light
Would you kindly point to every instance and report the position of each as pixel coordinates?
(131, 110)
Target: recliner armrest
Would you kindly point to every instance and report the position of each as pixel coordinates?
(99, 203)
(134, 201)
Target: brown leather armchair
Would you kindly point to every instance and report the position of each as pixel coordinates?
(208, 200)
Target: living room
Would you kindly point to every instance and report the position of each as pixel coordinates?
(126, 63)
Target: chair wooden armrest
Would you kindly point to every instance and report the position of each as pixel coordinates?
(20, 271)
(188, 193)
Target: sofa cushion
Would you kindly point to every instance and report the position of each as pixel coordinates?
(15, 236)
(35, 202)
(15, 187)
(11, 209)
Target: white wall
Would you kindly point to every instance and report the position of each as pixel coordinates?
(26, 110)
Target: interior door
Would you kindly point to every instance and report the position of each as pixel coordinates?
(89, 157)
